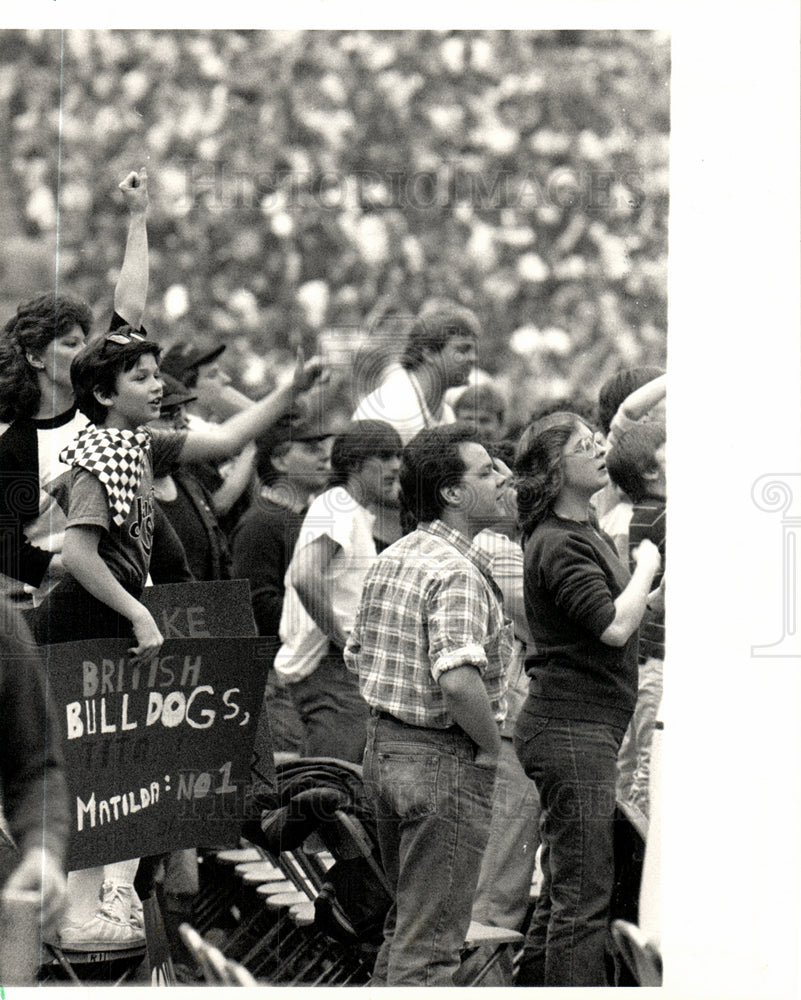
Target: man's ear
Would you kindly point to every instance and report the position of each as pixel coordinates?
(34, 360)
(452, 495)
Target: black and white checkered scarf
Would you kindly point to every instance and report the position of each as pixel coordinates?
(116, 457)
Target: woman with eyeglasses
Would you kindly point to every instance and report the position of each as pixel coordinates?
(583, 608)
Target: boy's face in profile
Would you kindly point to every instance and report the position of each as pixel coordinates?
(137, 397)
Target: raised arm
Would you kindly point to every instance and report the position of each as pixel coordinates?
(130, 293)
(231, 436)
(645, 398)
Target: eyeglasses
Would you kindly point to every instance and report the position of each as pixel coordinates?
(123, 338)
(588, 446)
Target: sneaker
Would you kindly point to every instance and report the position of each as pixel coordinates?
(111, 928)
(137, 910)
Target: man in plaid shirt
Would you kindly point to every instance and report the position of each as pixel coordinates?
(430, 646)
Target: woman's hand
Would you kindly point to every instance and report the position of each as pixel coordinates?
(647, 555)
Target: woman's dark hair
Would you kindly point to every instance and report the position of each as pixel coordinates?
(538, 466)
(430, 462)
(36, 323)
(618, 387)
(97, 367)
(359, 441)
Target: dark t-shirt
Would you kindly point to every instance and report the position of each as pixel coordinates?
(125, 548)
(192, 516)
(572, 576)
(262, 546)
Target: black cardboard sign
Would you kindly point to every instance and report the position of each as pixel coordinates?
(158, 758)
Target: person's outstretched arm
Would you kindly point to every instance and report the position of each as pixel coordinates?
(231, 436)
(130, 293)
(637, 404)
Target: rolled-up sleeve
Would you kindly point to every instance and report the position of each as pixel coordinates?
(457, 623)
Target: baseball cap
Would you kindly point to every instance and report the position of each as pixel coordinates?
(175, 393)
(182, 358)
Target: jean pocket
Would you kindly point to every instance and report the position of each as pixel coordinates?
(409, 782)
(529, 727)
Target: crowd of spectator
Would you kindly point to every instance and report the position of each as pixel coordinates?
(321, 185)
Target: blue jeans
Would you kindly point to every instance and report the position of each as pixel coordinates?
(432, 806)
(333, 712)
(504, 885)
(574, 765)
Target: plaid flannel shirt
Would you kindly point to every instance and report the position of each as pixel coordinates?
(429, 604)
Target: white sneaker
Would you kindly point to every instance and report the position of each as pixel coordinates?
(112, 928)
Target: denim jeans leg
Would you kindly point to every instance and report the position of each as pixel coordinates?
(333, 712)
(574, 765)
(504, 885)
(531, 971)
(432, 813)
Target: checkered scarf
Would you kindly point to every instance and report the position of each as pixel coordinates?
(116, 457)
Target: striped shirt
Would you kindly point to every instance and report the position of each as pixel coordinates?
(429, 605)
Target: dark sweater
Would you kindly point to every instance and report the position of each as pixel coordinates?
(572, 576)
(262, 545)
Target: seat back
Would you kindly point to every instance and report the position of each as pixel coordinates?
(640, 955)
(217, 969)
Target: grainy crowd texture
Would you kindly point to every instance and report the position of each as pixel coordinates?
(316, 183)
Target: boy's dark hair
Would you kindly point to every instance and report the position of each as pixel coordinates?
(359, 441)
(434, 326)
(633, 457)
(36, 323)
(617, 388)
(97, 367)
(430, 462)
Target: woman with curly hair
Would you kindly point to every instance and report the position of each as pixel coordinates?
(584, 610)
(37, 346)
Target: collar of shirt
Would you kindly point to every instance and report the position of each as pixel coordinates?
(464, 547)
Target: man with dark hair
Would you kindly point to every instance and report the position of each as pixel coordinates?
(440, 353)
(430, 647)
(334, 550)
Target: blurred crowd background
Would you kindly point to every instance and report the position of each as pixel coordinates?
(314, 188)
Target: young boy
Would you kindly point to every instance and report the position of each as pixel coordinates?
(109, 534)
(108, 540)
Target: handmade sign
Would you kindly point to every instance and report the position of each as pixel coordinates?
(158, 758)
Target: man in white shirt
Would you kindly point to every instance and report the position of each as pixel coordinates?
(440, 354)
(335, 548)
